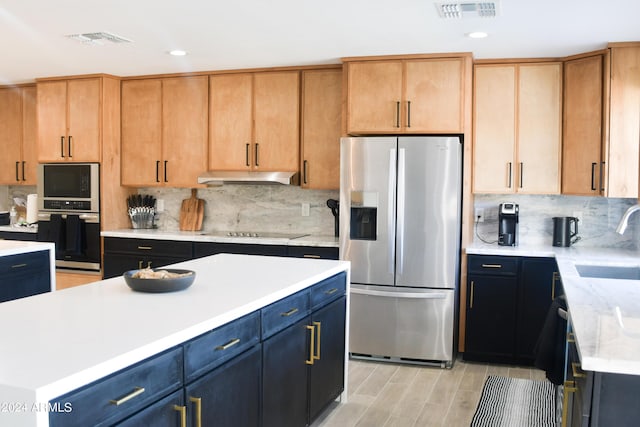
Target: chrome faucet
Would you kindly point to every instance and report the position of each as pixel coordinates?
(625, 219)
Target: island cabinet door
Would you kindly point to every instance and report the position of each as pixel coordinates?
(327, 372)
(228, 396)
(285, 360)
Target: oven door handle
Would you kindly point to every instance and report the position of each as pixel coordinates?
(87, 217)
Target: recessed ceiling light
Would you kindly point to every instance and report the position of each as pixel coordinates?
(178, 52)
(477, 35)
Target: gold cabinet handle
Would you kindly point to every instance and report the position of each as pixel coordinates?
(571, 337)
(229, 344)
(473, 285)
(197, 401)
(577, 371)
(137, 391)
(318, 335)
(311, 256)
(569, 387)
(148, 264)
(313, 338)
(183, 414)
(145, 248)
(289, 313)
(331, 291)
(491, 265)
(19, 265)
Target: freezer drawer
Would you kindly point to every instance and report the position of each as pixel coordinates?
(402, 323)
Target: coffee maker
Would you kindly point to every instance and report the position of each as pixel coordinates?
(507, 224)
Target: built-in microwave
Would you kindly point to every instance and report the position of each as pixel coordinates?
(69, 187)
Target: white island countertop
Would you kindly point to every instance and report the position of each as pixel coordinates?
(605, 313)
(16, 247)
(54, 343)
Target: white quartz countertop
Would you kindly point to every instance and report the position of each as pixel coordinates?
(54, 343)
(605, 313)
(19, 229)
(13, 247)
(293, 238)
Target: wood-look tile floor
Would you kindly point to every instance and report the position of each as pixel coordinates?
(386, 395)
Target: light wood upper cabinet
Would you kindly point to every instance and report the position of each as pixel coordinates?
(517, 128)
(69, 120)
(254, 121)
(624, 122)
(18, 135)
(582, 160)
(405, 96)
(164, 131)
(321, 124)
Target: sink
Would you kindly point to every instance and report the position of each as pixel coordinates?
(609, 271)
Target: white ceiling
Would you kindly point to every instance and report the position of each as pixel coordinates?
(234, 34)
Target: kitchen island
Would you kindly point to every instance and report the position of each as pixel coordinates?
(26, 268)
(67, 340)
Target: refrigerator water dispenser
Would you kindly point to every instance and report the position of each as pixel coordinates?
(364, 214)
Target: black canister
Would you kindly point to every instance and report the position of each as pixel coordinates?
(565, 231)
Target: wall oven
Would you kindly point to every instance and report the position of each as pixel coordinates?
(69, 213)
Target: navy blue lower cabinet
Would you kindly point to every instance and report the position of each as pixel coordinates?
(165, 413)
(327, 371)
(285, 359)
(24, 275)
(228, 396)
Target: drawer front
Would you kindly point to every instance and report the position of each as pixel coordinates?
(328, 290)
(283, 313)
(312, 252)
(30, 261)
(161, 414)
(206, 352)
(150, 247)
(120, 395)
(494, 265)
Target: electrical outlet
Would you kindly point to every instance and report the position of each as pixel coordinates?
(578, 214)
(479, 215)
(305, 209)
(160, 205)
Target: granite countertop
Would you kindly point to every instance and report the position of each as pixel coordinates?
(291, 238)
(605, 313)
(60, 341)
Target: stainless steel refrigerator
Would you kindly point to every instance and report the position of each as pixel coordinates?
(400, 225)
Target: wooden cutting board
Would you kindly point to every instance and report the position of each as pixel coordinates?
(191, 213)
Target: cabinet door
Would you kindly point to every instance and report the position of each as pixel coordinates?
(185, 102)
(539, 128)
(141, 132)
(231, 122)
(327, 372)
(582, 126)
(284, 377)
(276, 118)
(83, 136)
(10, 135)
(161, 414)
(494, 128)
(491, 318)
(52, 121)
(374, 97)
(321, 129)
(624, 123)
(433, 101)
(29, 165)
(538, 288)
(229, 396)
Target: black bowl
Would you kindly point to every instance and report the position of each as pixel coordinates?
(160, 285)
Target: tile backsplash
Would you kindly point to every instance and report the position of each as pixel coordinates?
(262, 208)
(599, 219)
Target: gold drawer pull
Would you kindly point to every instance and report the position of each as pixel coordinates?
(136, 392)
(311, 342)
(473, 285)
(319, 326)
(491, 265)
(571, 337)
(569, 387)
(577, 371)
(331, 291)
(310, 256)
(197, 401)
(19, 265)
(183, 414)
(229, 344)
(289, 313)
(145, 248)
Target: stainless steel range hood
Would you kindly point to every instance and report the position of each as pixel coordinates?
(247, 177)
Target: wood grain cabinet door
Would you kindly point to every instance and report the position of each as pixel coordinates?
(494, 128)
(185, 102)
(277, 121)
(141, 132)
(231, 121)
(29, 137)
(321, 121)
(10, 135)
(52, 121)
(83, 136)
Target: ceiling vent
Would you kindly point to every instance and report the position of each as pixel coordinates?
(468, 9)
(98, 38)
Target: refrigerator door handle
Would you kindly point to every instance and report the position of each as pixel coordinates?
(406, 295)
(401, 207)
(391, 227)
